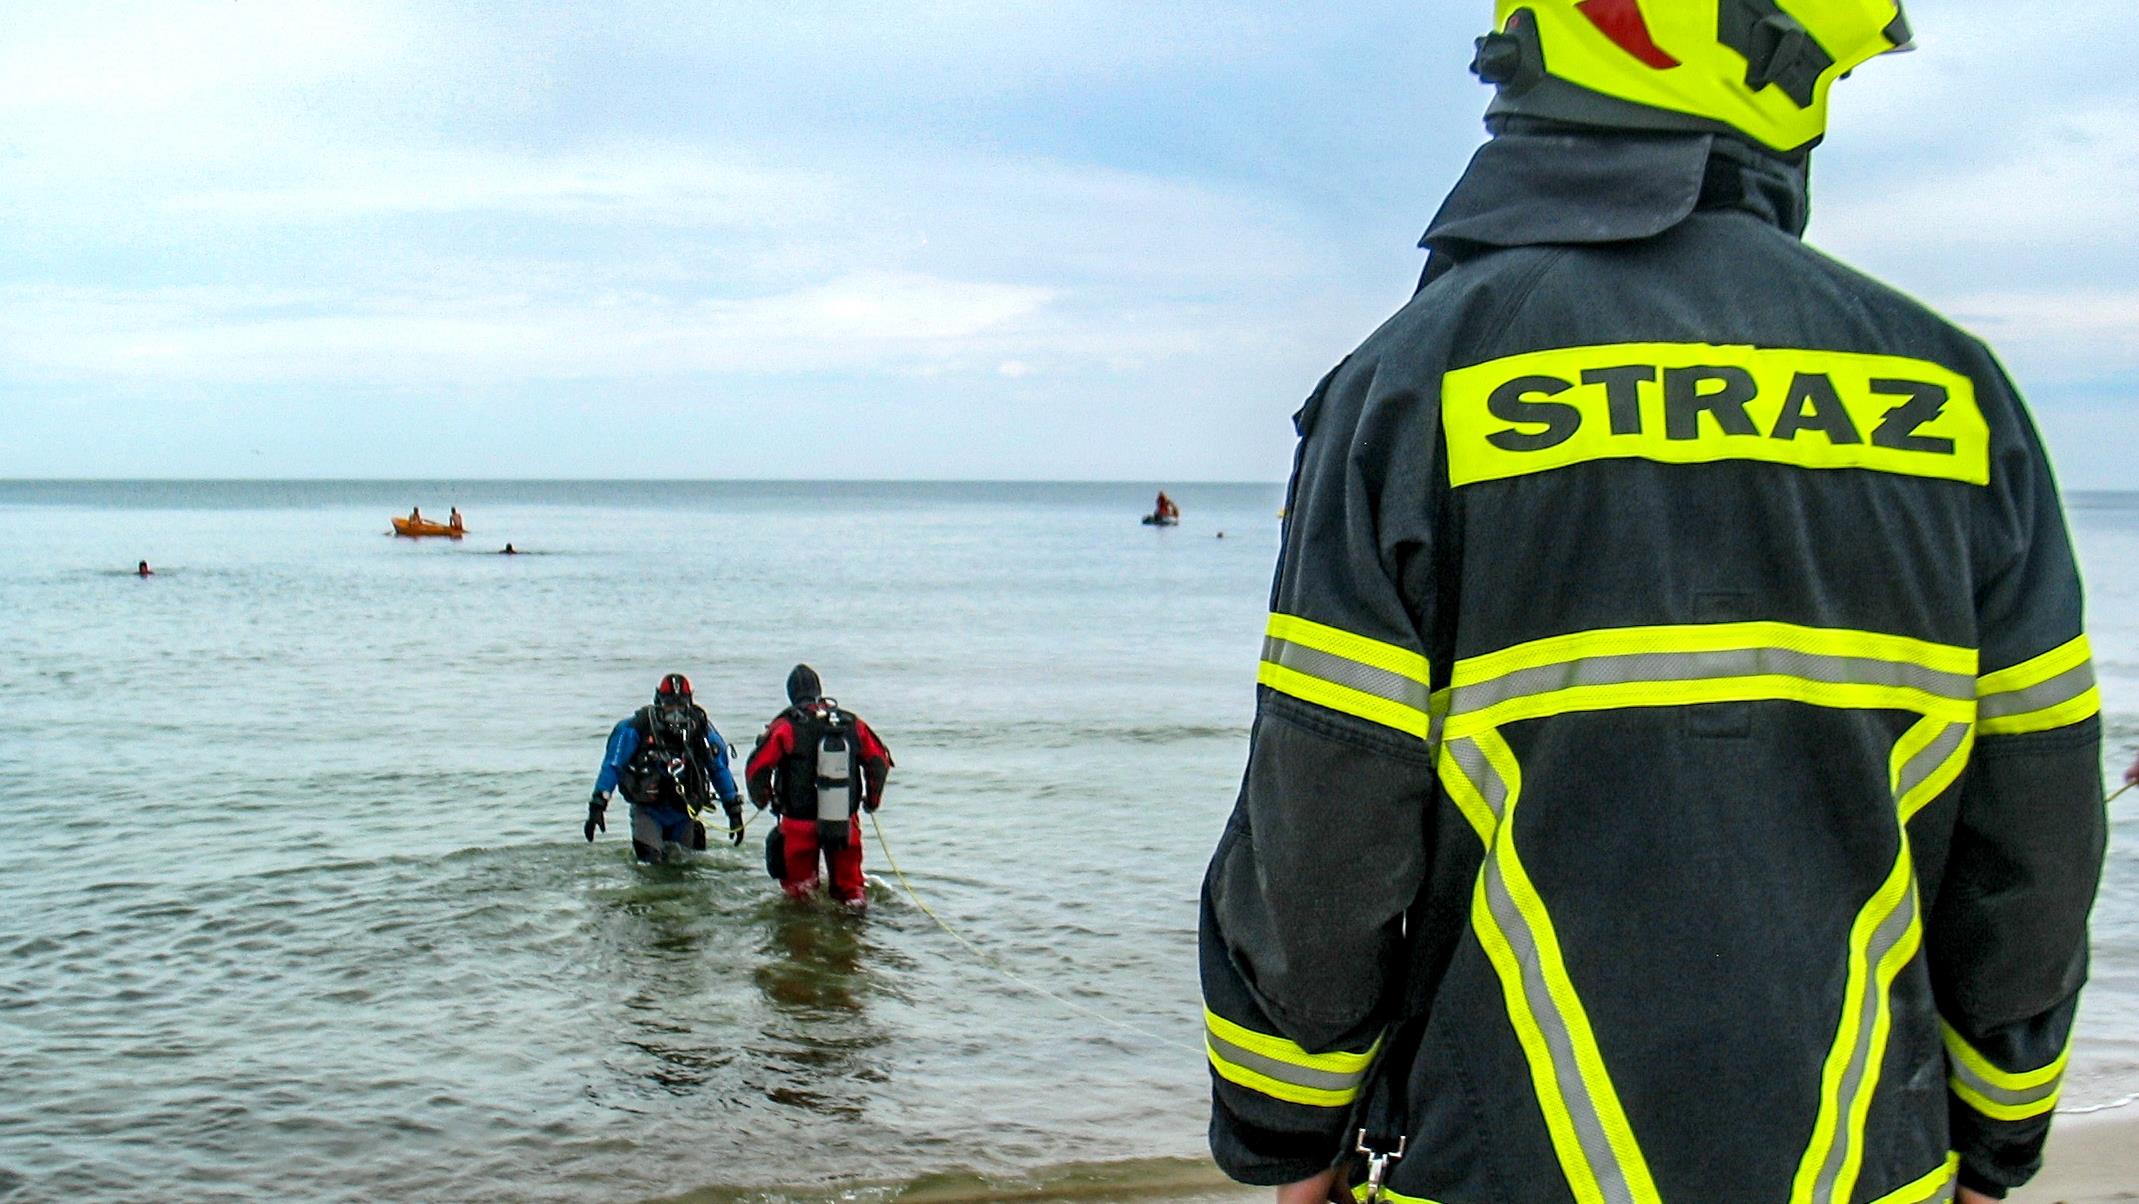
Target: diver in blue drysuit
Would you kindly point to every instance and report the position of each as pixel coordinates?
(669, 762)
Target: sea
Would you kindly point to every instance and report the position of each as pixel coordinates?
(294, 902)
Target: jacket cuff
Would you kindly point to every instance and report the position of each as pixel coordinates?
(1975, 1182)
(1263, 1157)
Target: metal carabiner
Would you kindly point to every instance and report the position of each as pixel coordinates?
(1377, 1164)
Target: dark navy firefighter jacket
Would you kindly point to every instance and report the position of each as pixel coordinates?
(1676, 766)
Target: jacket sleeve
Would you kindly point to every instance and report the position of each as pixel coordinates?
(2008, 932)
(623, 741)
(717, 765)
(876, 764)
(778, 741)
(1303, 905)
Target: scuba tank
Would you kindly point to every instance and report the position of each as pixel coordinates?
(834, 783)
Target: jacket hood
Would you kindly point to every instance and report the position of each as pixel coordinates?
(803, 685)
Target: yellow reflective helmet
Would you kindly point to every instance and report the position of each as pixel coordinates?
(1760, 68)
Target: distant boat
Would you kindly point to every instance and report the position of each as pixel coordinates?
(1162, 520)
(420, 527)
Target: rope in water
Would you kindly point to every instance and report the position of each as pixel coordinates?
(998, 967)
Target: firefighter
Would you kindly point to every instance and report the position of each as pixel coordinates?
(819, 766)
(669, 761)
(1676, 766)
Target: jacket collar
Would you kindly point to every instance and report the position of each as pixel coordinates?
(1537, 184)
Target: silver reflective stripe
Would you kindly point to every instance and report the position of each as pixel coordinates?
(1857, 1074)
(2041, 696)
(1470, 758)
(2001, 1095)
(1365, 678)
(1927, 761)
(1284, 1072)
(1636, 667)
(1574, 1089)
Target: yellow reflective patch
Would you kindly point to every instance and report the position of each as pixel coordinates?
(1695, 403)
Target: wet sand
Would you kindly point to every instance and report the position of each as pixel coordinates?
(2091, 1160)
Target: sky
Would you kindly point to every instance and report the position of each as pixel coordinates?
(1014, 240)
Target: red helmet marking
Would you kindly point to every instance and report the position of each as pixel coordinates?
(1622, 22)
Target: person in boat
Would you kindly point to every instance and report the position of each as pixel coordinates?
(819, 767)
(1164, 509)
(453, 520)
(143, 570)
(669, 762)
(415, 514)
(1676, 772)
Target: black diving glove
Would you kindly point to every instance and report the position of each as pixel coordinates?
(595, 807)
(734, 807)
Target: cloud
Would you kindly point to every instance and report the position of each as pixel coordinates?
(881, 322)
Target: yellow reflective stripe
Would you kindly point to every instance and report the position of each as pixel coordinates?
(2064, 714)
(1679, 665)
(2030, 697)
(1469, 800)
(1359, 703)
(1394, 1197)
(1715, 637)
(1280, 1068)
(1934, 1188)
(1945, 746)
(1348, 673)
(1590, 1133)
(1700, 403)
(1764, 688)
(2036, 670)
(2001, 1094)
(1886, 934)
(1275, 1088)
(1352, 647)
(1287, 1051)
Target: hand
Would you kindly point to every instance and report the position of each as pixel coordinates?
(596, 805)
(870, 805)
(1318, 1190)
(1969, 1195)
(2131, 776)
(735, 822)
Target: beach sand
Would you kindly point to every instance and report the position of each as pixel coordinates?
(2091, 1159)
